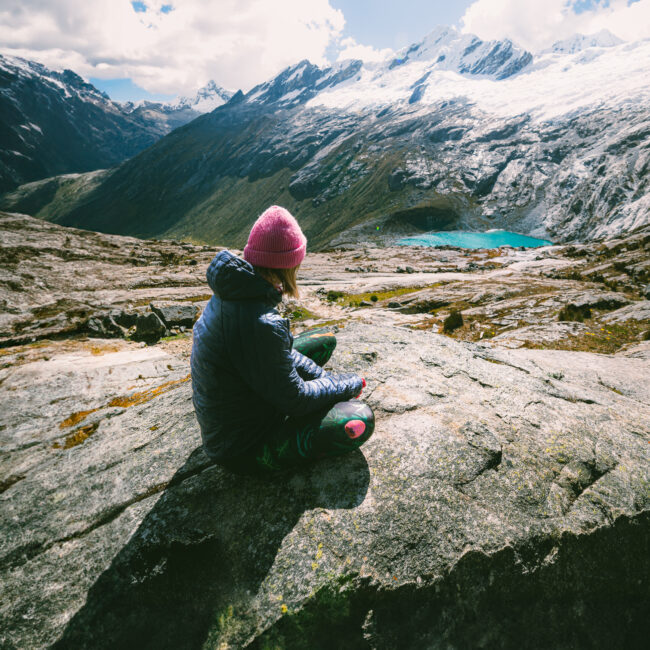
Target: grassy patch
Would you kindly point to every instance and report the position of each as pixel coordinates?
(339, 322)
(301, 313)
(176, 337)
(355, 299)
(604, 339)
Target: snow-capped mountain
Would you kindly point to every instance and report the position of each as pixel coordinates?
(579, 42)
(500, 78)
(299, 83)
(206, 99)
(445, 48)
(183, 109)
(453, 132)
(55, 122)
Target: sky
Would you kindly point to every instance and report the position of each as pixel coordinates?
(160, 49)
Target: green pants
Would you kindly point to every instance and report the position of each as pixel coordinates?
(329, 432)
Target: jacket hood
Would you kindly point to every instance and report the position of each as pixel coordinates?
(232, 278)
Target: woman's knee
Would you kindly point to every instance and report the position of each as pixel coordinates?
(359, 424)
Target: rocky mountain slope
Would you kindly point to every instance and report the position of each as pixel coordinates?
(54, 122)
(504, 494)
(452, 133)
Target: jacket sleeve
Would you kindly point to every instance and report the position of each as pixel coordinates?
(307, 368)
(267, 366)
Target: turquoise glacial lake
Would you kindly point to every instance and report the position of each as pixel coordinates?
(462, 239)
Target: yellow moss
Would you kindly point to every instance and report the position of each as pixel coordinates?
(144, 396)
(351, 299)
(98, 350)
(75, 418)
(77, 437)
(601, 340)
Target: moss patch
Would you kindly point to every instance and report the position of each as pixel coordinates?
(77, 437)
(176, 337)
(354, 299)
(574, 313)
(75, 418)
(301, 313)
(203, 297)
(144, 396)
(604, 339)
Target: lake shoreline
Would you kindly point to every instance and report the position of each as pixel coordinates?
(474, 240)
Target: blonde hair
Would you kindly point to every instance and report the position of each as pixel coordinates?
(285, 277)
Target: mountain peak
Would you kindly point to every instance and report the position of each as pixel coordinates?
(207, 98)
(579, 42)
(449, 49)
(300, 82)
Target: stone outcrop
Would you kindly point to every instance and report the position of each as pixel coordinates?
(63, 281)
(503, 496)
(176, 314)
(504, 493)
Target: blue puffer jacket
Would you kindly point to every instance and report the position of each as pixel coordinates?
(246, 378)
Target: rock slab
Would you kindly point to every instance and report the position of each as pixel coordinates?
(505, 495)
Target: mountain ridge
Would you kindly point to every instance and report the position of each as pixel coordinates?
(55, 122)
(359, 143)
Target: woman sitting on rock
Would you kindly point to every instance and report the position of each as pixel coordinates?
(262, 398)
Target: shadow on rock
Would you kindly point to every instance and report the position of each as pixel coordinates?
(202, 552)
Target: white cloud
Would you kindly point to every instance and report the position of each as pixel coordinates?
(536, 25)
(350, 49)
(238, 43)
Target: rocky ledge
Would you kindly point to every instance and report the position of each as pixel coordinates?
(505, 494)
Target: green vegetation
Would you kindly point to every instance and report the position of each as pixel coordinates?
(332, 612)
(604, 339)
(301, 313)
(453, 321)
(206, 208)
(574, 313)
(355, 299)
(176, 337)
(334, 295)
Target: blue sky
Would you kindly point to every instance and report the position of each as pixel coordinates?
(396, 23)
(124, 90)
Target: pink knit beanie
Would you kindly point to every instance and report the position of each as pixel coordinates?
(276, 240)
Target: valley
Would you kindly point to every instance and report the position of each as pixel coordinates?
(368, 153)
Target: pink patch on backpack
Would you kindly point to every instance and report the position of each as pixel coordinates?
(354, 428)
